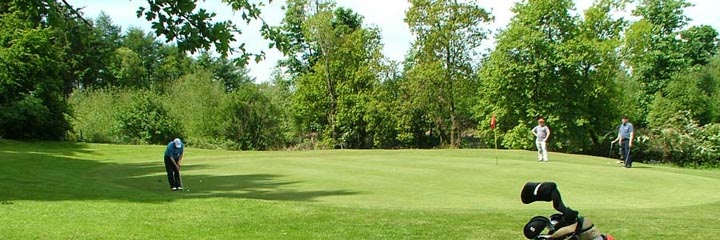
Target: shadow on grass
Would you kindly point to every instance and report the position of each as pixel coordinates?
(57, 174)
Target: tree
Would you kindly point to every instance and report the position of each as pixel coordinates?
(552, 64)
(195, 29)
(693, 92)
(699, 44)
(107, 42)
(383, 109)
(324, 49)
(170, 66)
(127, 69)
(291, 40)
(594, 57)
(251, 121)
(224, 71)
(145, 45)
(332, 64)
(448, 35)
(522, 76)
(33, 72)
(652, 47)
(147, 120)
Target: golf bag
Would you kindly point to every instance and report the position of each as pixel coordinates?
(567, 224)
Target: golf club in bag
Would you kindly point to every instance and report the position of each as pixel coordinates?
(567, 224)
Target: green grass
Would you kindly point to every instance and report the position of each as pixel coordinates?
(95, 191)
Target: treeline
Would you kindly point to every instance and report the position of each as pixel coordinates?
(64, 78)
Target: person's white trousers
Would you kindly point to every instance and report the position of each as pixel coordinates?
(542, 150)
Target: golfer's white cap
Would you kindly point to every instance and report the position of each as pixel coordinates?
(178, 143)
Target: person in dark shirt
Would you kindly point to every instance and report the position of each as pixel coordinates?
(626, 133)
(173, 157)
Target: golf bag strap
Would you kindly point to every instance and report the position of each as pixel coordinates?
(579, 228)
(585, 230)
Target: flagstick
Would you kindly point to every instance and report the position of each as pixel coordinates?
(496, 155)
(493, 122)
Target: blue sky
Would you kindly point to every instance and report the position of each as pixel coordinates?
(388, 15)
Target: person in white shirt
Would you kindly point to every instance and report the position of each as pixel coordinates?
(542, 133)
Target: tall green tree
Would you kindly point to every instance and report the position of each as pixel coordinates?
(128, 70)
(652, 47)
(660, 46)
(331, 97)
(593, 57)
(699, 44)
(170, 65)
(553, 64)
(34, 70)
(522, 78)
(224, 71)
(291, 41)
(108, 40)
(145, 45)
(442, 74)
(383, 109)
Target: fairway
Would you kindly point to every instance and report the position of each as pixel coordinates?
(98, 191)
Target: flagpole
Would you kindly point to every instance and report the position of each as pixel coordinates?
(496, 154)
(493, 121)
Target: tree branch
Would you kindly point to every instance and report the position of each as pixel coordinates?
(77, 13)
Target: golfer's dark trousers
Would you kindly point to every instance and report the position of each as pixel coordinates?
(626, 151)
(172, 173)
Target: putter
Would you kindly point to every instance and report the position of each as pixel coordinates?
(611, 146)
(180, 177)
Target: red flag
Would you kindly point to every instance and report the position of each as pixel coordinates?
(492, 122)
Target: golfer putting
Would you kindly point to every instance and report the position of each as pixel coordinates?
(173, 157)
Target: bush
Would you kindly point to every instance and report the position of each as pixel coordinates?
(251, 121)
(519, 138)
(93, 112)
(195, 107)
(24, 118)
(707, 150)
(683, 142)
(146, 120)
(196, 103)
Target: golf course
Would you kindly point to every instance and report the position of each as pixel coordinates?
(55, 190)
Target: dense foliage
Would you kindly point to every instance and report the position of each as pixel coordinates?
(66, 77)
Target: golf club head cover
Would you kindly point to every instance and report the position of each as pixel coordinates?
(537, 191)
(535, 227)
(547, 191)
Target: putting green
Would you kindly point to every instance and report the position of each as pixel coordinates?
(416, 179)
(68, 190)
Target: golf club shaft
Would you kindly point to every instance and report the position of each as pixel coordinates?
(180, 178)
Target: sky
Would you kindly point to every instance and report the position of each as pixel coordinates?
(387, 15)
